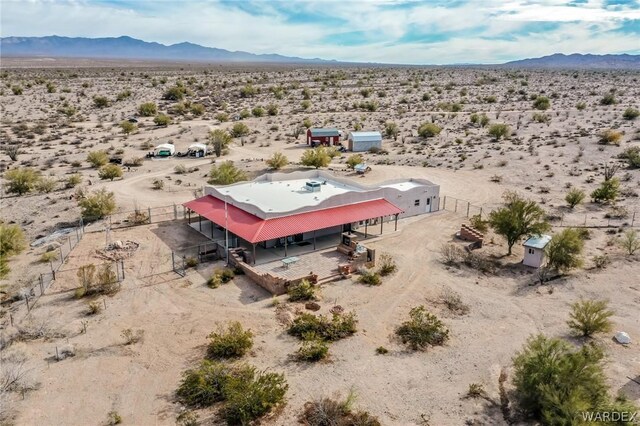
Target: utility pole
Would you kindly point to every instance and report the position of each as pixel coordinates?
(226, 229)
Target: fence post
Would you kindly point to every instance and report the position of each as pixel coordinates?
(149, 208)
(456, 208)
(70, 248)
(27, 300)
(468, 205)
(633, 219)
(444, 204)
(61, 255)
(175, 211)
(480, 213)
(122, 267)
(54, 275)
(173, 260)
(41, 286)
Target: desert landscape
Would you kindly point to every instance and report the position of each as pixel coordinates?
(568, 141)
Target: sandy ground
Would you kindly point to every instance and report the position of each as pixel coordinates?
(176, 313)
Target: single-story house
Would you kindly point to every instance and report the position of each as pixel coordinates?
(326, 137)
(534, 250)
(364, 141)
(286, 209)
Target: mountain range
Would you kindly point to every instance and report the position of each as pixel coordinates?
(125, 47)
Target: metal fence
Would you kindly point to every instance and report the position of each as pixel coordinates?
(137, 217)
(193, 255)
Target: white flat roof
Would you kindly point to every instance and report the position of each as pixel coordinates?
(286, 195)
(402, 186)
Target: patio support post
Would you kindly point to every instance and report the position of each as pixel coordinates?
(189, 213)
(254, 253)
(366, 224)
(199, 223)
(285, 245)
(396, 221)
(314, 239)
(381, 223)
(211, 229)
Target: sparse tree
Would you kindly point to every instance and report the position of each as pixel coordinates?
(574, 197)
(277, 161)
(316, 157)
(499, 131)
(219, 139)
(354, 160)
(98, 204)
(239, 130)
(519, 217)
(110, 171)
(392, 130)
(12, 242)
(564, 250)
(21, 180)
(589, 317)
(225, 174)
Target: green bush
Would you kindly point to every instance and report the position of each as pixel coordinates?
(97, 205)
(220, 139)
(303, 290)
(333, 412)
(589, 317)
(197, 109)
(128, 127)
(632, 155)
(21, 180)
(225, 174)
(97, 159)
(148, 109)
(387, 265)
(110, 171)
(231, 341)
(369, 277)
(204, 386)
(499, 131)
(429, 130)
(631, 113)
(541, 103)
(555, 383)
(479, 224)
(607, 192)
(564, 250)
(423, 329)
(12, 242)
(175, 93)
(316, 157)
(312, 350)
(608, 99)
(630, 241)
(277, 161)
(574, 197)
(162, 120)
(96, 281)
(239, 130)
(336, 328)
(100, 102)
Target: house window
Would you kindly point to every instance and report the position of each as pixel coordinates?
(416, 203)
(428, 201)
(531, 251)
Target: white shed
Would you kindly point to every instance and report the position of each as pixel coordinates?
(197, 150)
(534, 250)
(364, 141)
(164, 150)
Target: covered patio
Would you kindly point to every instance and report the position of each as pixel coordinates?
(280, 237)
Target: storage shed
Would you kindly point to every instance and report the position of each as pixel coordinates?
(316, 137)
(164, 150)
(197, 150)
(534, 250)
(364, 141)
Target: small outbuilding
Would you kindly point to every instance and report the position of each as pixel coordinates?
(326, 137)
(164, 150)
(197, 150)
(534, 250)
(364, 141)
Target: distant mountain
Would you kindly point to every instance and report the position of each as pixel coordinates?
(130, 48)
(578, 61)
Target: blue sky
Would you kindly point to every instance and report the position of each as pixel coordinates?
(388, 31)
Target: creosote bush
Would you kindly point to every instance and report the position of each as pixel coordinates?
(336, 412)
(21, 180)
(231, 341)
(423, 329)
(97, 205)
(220, 276)
(630, 241)
(110, 171)
(369, 277)
(574, 197)
(313, 349)
(564, 250)
(93, 281)
(316, 157)
(277, 161)
(331, 329)
(429, 130)
(387, 265)
(301, 291)
(12, 242)
(225, 174)
(97, 159)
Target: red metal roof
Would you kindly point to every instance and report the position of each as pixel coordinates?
(254, 229)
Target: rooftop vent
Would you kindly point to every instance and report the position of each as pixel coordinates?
(313, 186)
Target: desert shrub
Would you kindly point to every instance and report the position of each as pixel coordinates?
(245, 114)
(231, 341)
(94, 280)
(258, 111)
(478, 223)
(564, 250)
(303, 290)
(632, 155)
(601, 261)
(113, 418)
(239, 130)
(49, 256)
(133, 162)
(453, 301)
(190, 262)
(97, 159)
(608, 99)
(222, 117)
(630, 113)
(451, 254)
(574, 197)
(381, 350)
(476, 390)
(519, 217)
(555, 383)
(148, 109)
(251, 395)
(110, 171)
(128, 127)
(272, 109)
(541, 103)
(158, 184)
(204, 386)
(429, 130)
(305, 104)
(175, 93)
(334, 412)
(17, 90)
(100, 101)
(316, 157)
(312, 350)
(219, 139)
(131, 336)
(277, 161)
(21, 180)
(220, 276)
(225, 174)
(162, 120)
(180, 169)
(354, 160)
(73, 180)
(387, 265)
(12, 242)
(94, 308)
(610, 136)
(607, 192)
(589, 317)
(46, 185)
(248, 91)
(369, 277)
(423, 329)
(630, 241)
(499, 131)
(197, 109)
(97, 205)
(188, 418)
(391, 130)
(336, 328)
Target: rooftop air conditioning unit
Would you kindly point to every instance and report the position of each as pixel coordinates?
(313, 186)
